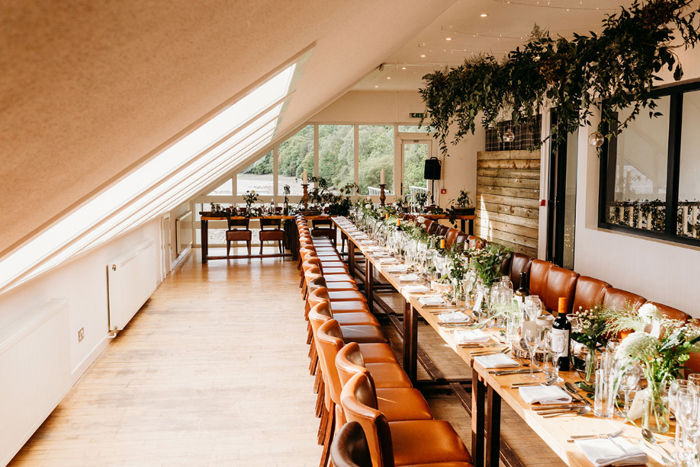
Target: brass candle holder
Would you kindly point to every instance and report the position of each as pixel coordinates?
(382, 194)
(305, 196)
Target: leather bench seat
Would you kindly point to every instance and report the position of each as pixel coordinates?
(426, 442)
(355, 318)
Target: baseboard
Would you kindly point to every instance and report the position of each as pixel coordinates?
(82, 367)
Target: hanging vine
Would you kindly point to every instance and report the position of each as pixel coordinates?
(617, 68)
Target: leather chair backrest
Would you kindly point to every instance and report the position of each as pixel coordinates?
(426, 223)
(451, 238)
(618, 299)
(476, 243)
(560, 283)
(441, 230)
(349, 448)
(461, 239)
(329, 341)
(318, 296)
(671, 313)
(322, 223)
(373, 422)
(589, 293)
(349, 362)
(519, 263)
(315, 282)
(432, 227)
(538, 276)
(276, 223)
(238, 223)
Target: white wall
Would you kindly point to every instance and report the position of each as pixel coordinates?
(458, 170)
(83, 282)
(660, 271)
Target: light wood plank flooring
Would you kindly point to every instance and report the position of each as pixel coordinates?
(213, 371)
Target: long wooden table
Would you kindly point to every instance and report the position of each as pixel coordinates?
(488, 390)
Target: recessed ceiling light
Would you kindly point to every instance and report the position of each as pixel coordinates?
(484, 15)
(376, 86)
(388, 77)
(448, 38)
(403, 67)
(422, 56)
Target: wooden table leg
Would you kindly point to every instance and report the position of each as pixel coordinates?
(369, 284)
(410, 341)
(204, 230)
(493, 428)
(471, 227)
(478, 420)
(351, 257)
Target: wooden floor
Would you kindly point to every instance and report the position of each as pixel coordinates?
(213, 371)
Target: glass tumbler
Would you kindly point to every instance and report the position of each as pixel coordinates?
(604, 404)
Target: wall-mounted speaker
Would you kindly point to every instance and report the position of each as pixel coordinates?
(432, 169)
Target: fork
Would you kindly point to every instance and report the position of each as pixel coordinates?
(489, 352)
(597, 436)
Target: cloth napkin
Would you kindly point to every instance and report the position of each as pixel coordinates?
(470, 336)
(400, 268)
(498, 360)
(455, 317)
(615, 451)
(390, 261)
(432, 300)
(408, 278)
(544, 395)
(417, 288)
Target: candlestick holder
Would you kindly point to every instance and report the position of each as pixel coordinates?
(305, 196)
(382, 194)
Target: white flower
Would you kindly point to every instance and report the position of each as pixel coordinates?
(649, 313)
(368, 206)
(636, 345)
(420, 219)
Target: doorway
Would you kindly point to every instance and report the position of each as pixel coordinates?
(413, 156)
(166, 246)
(561, 213)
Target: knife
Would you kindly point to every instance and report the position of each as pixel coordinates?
(513, 372)
(571, 389)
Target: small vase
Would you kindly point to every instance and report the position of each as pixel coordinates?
(656, 413)
(589, 371)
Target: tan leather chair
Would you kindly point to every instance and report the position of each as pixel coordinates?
(352, 306)
(476, 243)
(361, 333)
(538, 276)
(349, 447)
(238, 231)
(519, 263)
(455, 237)
(431, 226)
(618, 299)
(396, 403)
(404, 443)
(346, 317)
(589, 293)
(560, 283)
(337, 294)
(324, 228)
(349, 361)
(272, 235)
(441, 230)
(671, 313)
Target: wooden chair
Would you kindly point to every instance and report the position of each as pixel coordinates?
(349, 448)
(589, 293)
(238, 231)
(274, 234)
(518, 264)
(324, 228)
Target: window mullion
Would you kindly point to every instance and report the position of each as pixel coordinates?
(673, 171)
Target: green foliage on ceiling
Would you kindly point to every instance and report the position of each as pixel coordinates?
(616, 68)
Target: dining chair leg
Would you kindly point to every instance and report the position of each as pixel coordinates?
(319, 378)
(228, 248)
(321, 435)
(320, 398)
(261, 247)
(281, 246)
(248, 242)
(330, 427)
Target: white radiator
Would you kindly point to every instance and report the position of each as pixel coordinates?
(183, 233)
(131, 279)
(35, 373)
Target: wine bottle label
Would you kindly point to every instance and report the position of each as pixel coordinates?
(560, 340)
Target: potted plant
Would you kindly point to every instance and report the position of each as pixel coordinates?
(250, 197)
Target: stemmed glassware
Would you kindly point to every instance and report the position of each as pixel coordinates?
(532, 339)
(686, 402)
(556, 348)
(533, 307)
(629, 379)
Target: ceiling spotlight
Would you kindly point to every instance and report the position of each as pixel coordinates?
(448, 38)
(403, 67)
(376, 86)
(388, 77)
(422, 56)
(484, 15)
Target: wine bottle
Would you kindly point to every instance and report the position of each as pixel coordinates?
(561, 335)
(442, 243)
(522, 291)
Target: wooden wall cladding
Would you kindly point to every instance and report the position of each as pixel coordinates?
(507, 198)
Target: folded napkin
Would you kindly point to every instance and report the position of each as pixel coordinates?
(498, 360)
(379, 254)
(454, 317)
(544, 395)
(432, 300)
(615, 451)
(408, 278)
(417, 288)
(400, 268)
(390, 261)
(470, 336)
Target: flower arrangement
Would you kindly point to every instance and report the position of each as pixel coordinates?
(590, 328)
(250, 198)
(488, 261)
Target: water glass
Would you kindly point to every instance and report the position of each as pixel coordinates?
(604, 403)
(532, 340)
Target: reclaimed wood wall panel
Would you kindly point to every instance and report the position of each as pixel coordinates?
(507, 199)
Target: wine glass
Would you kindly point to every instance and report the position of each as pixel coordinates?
(532, 341)
(687, 417)
(533, 307)
(694, 381)
(556, 348)
(629, 379)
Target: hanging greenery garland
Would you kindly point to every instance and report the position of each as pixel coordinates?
(617, 68)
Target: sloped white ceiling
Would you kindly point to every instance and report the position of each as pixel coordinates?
(90, 88)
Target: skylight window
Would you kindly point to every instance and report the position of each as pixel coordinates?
(232, 134)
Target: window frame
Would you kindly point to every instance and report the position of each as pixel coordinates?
(608, 163)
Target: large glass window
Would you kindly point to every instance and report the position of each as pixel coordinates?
(640, 170)
(336, 148)
(415, 129)
(689, 173)
(414, 156)
(224, 189)
(295, 155)
(652, 170)
(256, 177)
(376, 154)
